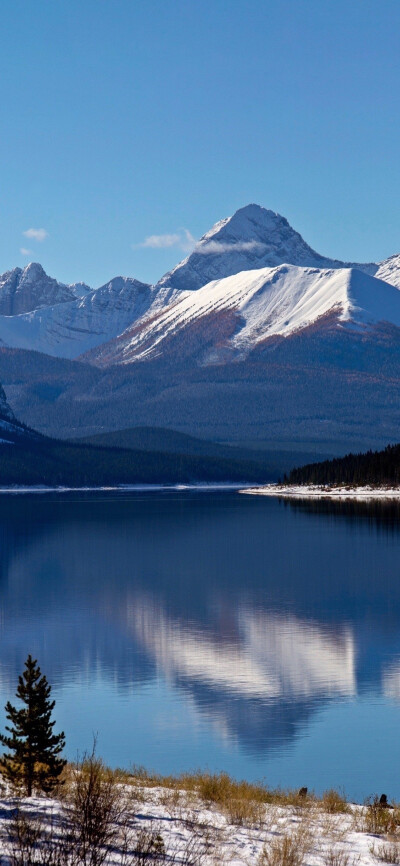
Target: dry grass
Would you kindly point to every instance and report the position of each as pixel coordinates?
(218, 787)
(290, 849)
(387, 852)
(379, 821)
(334, 803)
(335, 856)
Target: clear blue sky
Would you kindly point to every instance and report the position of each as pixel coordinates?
(125, 119)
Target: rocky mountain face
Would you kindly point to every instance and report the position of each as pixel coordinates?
(24, 290)
(254, 336)
(37, 312)
(77, 325)
(252, 238)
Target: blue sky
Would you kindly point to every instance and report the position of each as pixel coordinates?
(128, 119)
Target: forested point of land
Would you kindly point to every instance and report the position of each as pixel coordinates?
(374, 467)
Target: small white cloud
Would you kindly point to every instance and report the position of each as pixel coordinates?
(36, 234)
(25, 252)
(207, 247)
(160, 242)
(182, 239)
(188, 242)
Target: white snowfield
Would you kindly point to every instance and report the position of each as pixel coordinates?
(314, 491)
(71, 328)
(192, 833)
(253, 264)
(269, 302)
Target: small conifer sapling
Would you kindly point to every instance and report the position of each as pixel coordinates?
(34, 758)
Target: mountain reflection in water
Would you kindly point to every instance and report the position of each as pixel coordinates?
(226, 627)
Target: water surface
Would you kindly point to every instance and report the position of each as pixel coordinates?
(217, 631)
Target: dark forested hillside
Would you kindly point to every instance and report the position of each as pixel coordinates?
(322, 391)
(374, 467)
(52, 463)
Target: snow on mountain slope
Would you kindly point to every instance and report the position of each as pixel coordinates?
(265, 302)
(29, 289)
(68, 329)
(37, 312)
(253, 237)
(389, 270)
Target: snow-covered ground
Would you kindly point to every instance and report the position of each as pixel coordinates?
(315, 491)
(192, 833)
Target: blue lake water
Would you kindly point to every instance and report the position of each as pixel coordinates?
(216, 631)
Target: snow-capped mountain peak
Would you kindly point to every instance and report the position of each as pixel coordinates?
(23, 290)
(254, 237)
(79, 323)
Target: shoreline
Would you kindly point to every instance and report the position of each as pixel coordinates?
(200, 487)
(319, 491)
(279, 491)
(214, 820)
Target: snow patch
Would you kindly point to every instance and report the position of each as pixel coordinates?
(314, 491)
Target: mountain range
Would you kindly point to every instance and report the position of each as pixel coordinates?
(254, 337)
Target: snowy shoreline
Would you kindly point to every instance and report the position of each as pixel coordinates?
(314, 491)
(191, 832)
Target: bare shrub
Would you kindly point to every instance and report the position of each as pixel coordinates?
(179, 805)
(148, 846)
(336, 857)
(96, 809)
(334, 828)
(289, 849)
(33, 840)
(191, 851)
(387, 852)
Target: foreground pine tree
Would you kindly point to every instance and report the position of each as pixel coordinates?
(33, 761)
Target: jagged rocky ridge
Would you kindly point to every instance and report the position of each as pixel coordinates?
(302, 353)
(67, 329)
(30, 288)
(37, 312)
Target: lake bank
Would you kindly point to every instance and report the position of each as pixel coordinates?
(312, 491)
(208, 820)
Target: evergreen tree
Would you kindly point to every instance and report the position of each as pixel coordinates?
(34, 750)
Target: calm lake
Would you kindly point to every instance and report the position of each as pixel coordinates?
(221, 631)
